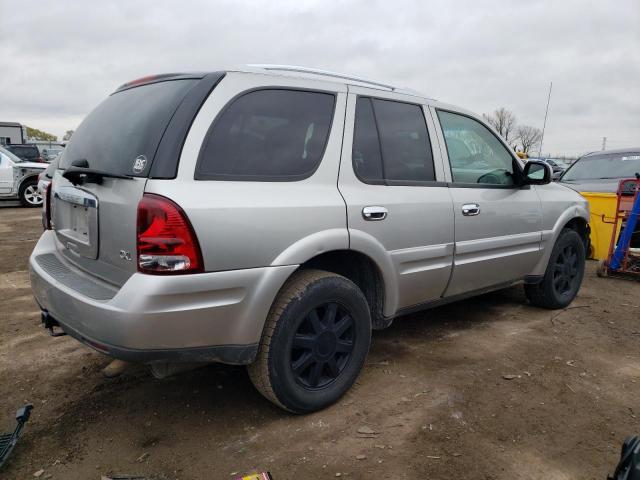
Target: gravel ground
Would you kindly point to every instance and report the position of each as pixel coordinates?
(488, 388)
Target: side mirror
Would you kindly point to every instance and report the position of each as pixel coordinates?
(537, 173)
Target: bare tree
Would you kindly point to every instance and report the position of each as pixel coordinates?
(504, 121)
(529, 137)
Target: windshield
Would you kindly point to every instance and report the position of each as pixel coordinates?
(604, 166)
(13, 157)
(126, 128)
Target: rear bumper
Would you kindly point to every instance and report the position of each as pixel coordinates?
(201, 317)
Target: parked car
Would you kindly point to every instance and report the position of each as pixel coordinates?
(51, 152)
(29, 153)
(602, 171)
(273, 216)
(555, 166)
(19, 179)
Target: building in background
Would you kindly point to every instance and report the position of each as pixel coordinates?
(12, 133)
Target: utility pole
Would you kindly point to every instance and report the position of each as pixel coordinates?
(544, 125)
(604, 143)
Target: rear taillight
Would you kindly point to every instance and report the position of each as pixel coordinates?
(46, 218)
(166, 241)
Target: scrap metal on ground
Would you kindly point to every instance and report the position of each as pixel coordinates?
(9, 440)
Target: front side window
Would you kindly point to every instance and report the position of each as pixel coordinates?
(268, 135)
(391, 142)
(475, 154)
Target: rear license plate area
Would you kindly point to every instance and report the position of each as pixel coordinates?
(75, 220)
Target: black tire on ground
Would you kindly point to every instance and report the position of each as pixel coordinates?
(315, 342)
(564, 273)
(29, 195)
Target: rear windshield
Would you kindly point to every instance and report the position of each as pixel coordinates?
(121, 134)
(607, 166)
(25, 152)
(11, 155)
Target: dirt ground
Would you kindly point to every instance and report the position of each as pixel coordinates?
(488, 388)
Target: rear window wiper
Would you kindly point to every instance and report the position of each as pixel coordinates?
(80, 173)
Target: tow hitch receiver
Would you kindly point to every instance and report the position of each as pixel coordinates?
(50, 323)
(9, 440)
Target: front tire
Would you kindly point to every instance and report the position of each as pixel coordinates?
(563, 276)
(315, 342)
(29, 194)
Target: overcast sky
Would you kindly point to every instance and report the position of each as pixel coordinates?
(60, 58)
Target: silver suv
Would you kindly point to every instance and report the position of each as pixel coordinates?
(273, 216)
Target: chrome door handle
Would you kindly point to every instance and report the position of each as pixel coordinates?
(470, 209)
(374, 213)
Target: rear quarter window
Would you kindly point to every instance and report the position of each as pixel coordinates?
(267, 135)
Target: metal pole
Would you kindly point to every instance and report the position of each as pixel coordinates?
(544, 125)
(604, 143)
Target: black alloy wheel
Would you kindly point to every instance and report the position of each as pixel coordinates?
(322, 345)
(315, 341)
(563, 275)
(565, 270)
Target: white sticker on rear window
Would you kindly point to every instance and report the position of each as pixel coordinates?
(631, 157)
(139, 163)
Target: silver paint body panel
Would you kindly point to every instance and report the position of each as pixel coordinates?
(163, 312)
(254, 235)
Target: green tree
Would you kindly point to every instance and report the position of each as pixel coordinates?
(36, 134)
(67, 135)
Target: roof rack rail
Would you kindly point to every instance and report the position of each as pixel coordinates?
(315, 71)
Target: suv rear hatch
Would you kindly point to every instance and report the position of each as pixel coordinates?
(104, 168)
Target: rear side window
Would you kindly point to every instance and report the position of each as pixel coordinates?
(267, 135)
(396, 133)
(127, 126)
(366, 154)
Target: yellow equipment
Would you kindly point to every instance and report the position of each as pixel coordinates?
(603, 213)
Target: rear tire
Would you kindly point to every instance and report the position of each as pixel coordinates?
(564, 273)
(29, 194)
(315, 342)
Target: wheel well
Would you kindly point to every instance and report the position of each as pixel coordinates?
(26, 179)
(581, 226)
(362, 271)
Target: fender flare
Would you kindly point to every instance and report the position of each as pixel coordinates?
(549, 237)
(313, 245)
(369, 246)
(342, 239)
